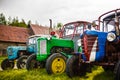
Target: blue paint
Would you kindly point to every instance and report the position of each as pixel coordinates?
(102, 36)
(84, 57)
(12, 51)
(31, 49)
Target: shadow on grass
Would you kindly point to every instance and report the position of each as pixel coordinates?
(98, 74)
(108, 75)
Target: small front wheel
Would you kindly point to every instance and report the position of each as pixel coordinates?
(7, 64)
(21, 62)
(56, 63)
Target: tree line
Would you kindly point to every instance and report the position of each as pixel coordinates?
(16, 22)
(13, 21)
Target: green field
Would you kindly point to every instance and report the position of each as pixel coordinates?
(41, 74)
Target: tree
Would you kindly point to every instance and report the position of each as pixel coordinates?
(13, 21)
(9, 21)
(16, 22)
(29, 22)
(22, 23)
(59, 25)
(2, 19)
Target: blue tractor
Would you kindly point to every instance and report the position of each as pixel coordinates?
(99, 47)
(14, 52)
(20, 54)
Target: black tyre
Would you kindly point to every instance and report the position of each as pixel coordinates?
(7, 64)
(21, 62)
(56, 64)
(74, 67)
(31, 62)
(117, 77)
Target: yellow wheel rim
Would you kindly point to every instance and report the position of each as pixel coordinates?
(58, 65)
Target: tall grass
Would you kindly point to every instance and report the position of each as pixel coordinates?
(41, 74)
(2, 58)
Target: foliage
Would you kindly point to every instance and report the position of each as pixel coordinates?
(58, 26)
(2, 58)
(16, 22)
(2, 19)
(13, 22)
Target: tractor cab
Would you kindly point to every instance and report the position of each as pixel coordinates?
(32, 43)
(73, 30)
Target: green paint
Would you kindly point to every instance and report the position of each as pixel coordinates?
(53, 42)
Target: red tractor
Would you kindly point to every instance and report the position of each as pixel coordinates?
(99, 47)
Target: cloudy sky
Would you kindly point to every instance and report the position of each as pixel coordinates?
(58, 10)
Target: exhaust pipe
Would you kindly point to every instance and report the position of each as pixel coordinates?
(50, 29)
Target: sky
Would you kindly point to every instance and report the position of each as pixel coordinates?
(62, 11)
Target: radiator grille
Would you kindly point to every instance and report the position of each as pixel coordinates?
(89, 44)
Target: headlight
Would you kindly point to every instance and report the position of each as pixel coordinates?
(111, 37)
(79, 42)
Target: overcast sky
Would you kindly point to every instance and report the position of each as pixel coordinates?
(58, 10)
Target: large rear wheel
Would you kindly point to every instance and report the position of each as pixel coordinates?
(74, 67)
(117, 73)
(31, 62)
(21, 62)
(56, 64)
(7, 64)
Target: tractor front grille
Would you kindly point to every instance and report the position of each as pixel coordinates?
(89, 45)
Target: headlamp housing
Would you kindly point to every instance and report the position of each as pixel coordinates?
(111, 36)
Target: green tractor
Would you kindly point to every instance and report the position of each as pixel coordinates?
(52, 52)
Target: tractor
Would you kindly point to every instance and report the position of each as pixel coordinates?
(52, 52)
(100, 47)
(20, 54)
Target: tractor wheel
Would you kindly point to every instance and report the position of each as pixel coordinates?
(117, 77)
(31, 62)
(21, 62)
(7, 64)
(56, 64)
(74, 67)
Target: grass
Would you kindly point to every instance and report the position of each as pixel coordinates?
(2, 58)
(41, 74)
